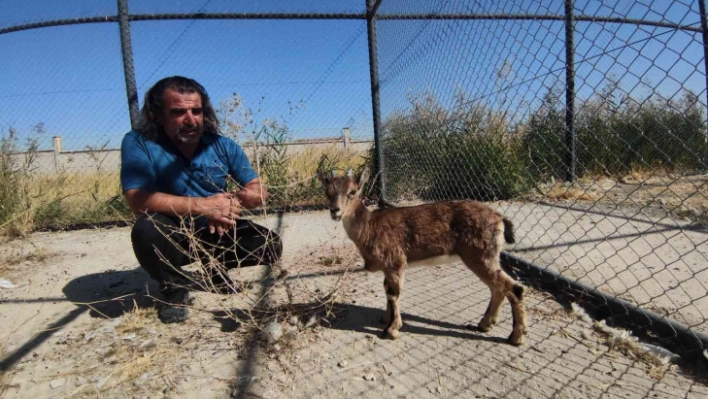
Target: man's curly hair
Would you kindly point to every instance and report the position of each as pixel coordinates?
(152, 107)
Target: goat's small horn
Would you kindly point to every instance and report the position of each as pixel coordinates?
(332, 174)
(350, 172)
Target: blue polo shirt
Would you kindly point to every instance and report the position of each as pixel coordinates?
(158, 166)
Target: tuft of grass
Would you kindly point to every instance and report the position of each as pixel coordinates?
(562, 192)
(623, 342)
(330, 260)
(10, 260)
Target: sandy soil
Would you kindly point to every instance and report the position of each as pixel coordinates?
(65, 335)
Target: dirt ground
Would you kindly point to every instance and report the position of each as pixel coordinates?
(64, 333)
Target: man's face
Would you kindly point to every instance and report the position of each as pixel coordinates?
(182, 117)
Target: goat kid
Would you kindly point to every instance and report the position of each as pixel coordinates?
(391, 239)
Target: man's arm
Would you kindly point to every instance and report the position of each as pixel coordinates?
(253, 194)
(220, 207)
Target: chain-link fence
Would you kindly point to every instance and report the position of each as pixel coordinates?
(288, 85)
(582, 121)
(586, 121)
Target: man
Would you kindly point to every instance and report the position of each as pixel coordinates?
(174, 174)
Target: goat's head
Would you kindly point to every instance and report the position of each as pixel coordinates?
(343, 192)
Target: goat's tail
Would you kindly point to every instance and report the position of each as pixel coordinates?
(508, 231)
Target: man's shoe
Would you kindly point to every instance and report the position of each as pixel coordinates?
(225, 286)
(174, 309)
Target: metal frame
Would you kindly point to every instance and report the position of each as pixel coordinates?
(680, 338)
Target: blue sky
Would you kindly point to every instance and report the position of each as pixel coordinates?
(70, 78)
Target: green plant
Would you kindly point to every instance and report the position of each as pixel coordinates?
(617, 134)
(273, 162)
(466, 151)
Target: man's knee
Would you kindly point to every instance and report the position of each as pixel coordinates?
(149, 230)
(258, 244)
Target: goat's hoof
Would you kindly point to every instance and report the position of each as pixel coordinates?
(517, 339)
(484, 327)
(390, 333)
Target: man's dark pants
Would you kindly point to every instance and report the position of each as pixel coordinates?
(164, 244)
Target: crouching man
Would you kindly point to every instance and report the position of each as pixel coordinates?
(174, 174)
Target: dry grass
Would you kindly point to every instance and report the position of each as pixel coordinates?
(304, 163)
(564, 192)
(622, 341)
(63, 199)
(13, 257)
(126, 351)
(685, 197)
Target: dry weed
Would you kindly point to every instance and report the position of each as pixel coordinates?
(562, 192)
(123, 351)
(622, 341)
(12, 258)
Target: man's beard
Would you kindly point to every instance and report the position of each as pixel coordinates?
(190, 135)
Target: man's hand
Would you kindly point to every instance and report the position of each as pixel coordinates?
(222, 208)
(218, 227)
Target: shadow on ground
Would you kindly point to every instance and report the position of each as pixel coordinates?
(112, 293)
(366, 320)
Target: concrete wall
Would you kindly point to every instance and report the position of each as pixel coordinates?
(50, 162)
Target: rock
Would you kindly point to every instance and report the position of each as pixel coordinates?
(6, 284)
(629, 179)
(661, 352)
(290, 329)
(141, 380)
(273, 331)
(343, 363)
(311, 321)
(147, 344)
(54, 384)
(370, 377)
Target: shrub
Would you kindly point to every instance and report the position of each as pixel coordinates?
(469, 151)
(616, 135)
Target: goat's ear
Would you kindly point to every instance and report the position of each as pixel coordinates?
(362, 179)
(322, 178)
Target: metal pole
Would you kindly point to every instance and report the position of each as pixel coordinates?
(371, 8)
(570, 158)
(128, 67)
(704, 32)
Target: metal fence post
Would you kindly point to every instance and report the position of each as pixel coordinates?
(570, 158)
(128, 67)
(704, 35)
(371, 8)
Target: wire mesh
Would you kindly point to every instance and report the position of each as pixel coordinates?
(473, 106)
(476, 108)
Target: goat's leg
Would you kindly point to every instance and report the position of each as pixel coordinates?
(491, 316)
(487, 268)
(394, 282)
(386, 317)
(518, 311)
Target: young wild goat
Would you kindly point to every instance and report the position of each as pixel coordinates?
(391, 239)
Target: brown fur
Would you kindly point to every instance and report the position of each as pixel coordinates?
(388, 239)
